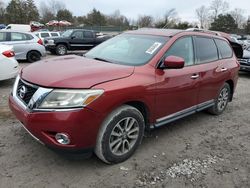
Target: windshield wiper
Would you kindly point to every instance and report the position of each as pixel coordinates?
(101, 59)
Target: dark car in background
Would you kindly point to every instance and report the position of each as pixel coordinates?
(2, 26)
(74, 39)
(245, 61)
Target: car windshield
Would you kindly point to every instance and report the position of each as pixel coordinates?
(128, 49)
(67, 33)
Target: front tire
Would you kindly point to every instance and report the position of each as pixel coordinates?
(222, 100)
(61, 49)
(120, 135)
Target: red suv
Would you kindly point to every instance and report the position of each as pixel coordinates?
(139, 80)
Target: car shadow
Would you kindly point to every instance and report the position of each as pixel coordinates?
(244, 74)
(6, 83)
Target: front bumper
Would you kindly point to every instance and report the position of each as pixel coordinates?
(50, 47)
(81, 125)
(244, 64)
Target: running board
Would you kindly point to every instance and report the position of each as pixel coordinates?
(179, 115)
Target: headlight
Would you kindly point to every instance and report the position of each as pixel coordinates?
(64, 98)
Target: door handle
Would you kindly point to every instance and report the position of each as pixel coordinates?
(223, 69)
(195, 76)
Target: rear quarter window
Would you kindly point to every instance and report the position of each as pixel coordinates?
(206, 50)
(88, 34)
(224, 49)
(20, 37)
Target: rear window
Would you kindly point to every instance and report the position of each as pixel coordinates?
(54, 34)
(206, 50)
(3, 37)
(44, 35)
(20, 37)
(224, 48)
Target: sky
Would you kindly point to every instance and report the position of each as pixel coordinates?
(156, 8)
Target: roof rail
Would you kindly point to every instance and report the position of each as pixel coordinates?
(204, 31)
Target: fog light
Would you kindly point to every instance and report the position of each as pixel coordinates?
(62, 138)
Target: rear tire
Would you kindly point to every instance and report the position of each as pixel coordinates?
(120, 135)
(61, 49)
(222, 100)
(33, 56)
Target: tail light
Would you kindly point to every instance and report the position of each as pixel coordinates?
(40, 41)
(9, 53)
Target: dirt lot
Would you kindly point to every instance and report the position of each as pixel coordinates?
(198, 151)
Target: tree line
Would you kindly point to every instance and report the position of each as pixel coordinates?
(217, 16)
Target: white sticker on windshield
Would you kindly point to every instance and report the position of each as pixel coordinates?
(153, 48)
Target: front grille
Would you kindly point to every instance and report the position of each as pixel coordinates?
(244, 61)
(25, 91)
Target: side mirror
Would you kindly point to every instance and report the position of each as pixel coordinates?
(174, 62)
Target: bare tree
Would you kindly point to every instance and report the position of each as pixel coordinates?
(238, 15)
(169, 21)
(170, 17)
(202, 14)
(145, 21)
(55, 6)
(2, 11)
(218, 7)
(49, 10)
(46, 13)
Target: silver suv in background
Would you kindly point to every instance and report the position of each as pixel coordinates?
(27, 46)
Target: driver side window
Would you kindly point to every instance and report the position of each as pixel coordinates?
(183, 48)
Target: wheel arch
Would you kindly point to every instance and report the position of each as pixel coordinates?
(32, 51)
(143, 108)
(63, 43)
(231, 84)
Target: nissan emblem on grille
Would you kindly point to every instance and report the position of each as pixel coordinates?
(22, 92)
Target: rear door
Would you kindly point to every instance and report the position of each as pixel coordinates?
(213, 72)
(89, 38)
(21, 43)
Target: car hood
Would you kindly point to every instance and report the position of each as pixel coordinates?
(73, 72)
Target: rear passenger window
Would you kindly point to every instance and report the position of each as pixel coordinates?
(54, 34)
(20, 37)
(88, 34)
(44, 35)
(224, 48)
(206, 50)
(3, 37)
(183, 48)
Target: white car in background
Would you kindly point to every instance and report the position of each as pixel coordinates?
(45, 34)
(8, 64)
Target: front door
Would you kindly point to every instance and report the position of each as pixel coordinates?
(77, 41)
(177, 89)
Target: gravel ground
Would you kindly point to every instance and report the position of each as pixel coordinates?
(198, 151)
